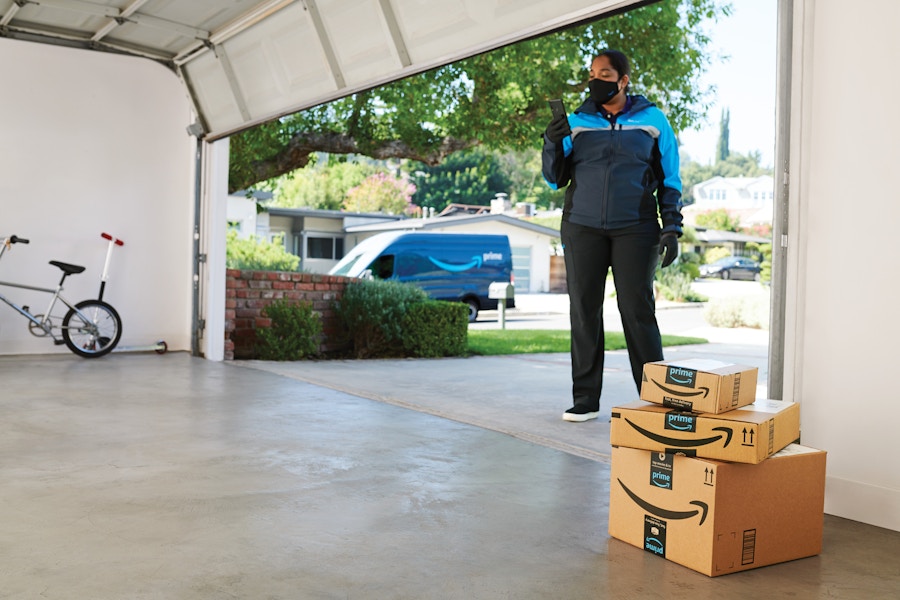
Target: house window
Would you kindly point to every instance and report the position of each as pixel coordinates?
(324, 247)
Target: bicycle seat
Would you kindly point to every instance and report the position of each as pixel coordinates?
(67, 268)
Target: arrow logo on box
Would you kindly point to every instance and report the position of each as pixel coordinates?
(675, 442)
(664, 513)
(674, 392)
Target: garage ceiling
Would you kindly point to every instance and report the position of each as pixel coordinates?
(245, 62)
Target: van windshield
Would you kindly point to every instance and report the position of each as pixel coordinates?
(348, 266)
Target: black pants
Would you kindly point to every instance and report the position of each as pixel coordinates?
(632, 253)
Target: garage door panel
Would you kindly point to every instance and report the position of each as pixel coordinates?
(360, 56)
(246, 62)
(280, 65)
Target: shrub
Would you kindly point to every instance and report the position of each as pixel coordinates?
(674, 282)
(738, 312)
(372, 312)
(258, 255)
(294, 334)
(715, 253)
(436, 328)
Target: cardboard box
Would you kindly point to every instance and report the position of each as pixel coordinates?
(747, 435)
(717, 517)
(699, 385)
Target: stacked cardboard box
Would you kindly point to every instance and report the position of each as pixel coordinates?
(707, 477)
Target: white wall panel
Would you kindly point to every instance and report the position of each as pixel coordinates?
(96, 143)
(843, 330)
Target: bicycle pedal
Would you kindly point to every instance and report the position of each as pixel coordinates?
(59, 342)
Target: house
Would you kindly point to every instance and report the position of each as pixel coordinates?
(532, 245)
(733, 241)
(321, 237)
(750, 199)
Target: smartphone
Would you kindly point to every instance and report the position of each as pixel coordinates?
(557, 108)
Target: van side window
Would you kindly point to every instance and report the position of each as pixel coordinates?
(412, 264)
(383, 266)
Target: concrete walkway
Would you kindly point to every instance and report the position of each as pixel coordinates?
(139, 476)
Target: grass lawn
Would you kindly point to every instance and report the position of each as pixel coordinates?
(491, 342)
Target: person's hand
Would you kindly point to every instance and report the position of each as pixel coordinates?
(558, 129)
(668, 245)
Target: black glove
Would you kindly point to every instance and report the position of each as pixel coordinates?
(668, 245)
(558, 129)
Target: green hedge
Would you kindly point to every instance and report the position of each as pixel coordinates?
(295, 332)
(372, 311)
(435, 328)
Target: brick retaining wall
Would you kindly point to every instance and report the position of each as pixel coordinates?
(248, 292)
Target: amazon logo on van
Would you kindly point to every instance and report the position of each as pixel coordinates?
(475, 263)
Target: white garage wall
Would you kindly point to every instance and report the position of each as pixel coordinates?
(94, 143)
(842, 327)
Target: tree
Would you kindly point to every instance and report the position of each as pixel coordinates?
(722, 146)
(497, 99)
(323, 184)
(468, 177)
(719, 219)
(381, 193)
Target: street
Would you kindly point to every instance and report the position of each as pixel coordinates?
(551, 311)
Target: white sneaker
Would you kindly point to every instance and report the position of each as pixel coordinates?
(579, 414)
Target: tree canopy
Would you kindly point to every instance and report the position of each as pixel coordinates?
(497, 100)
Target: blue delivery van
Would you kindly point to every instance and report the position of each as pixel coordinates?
(447, 266)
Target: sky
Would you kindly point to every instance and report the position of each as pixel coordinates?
(745, 83)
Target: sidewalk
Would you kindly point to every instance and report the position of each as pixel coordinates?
(523, 395)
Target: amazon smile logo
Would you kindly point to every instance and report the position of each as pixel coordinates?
(671, 442)
(664, 513)
(681, 376)
(702, 391)
(475, 263)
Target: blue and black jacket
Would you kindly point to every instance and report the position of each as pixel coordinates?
(621, 170)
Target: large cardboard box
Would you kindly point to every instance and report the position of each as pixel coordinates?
(747, 435)
(717, 517)
(699, 385)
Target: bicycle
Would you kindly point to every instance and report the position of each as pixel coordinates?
(90, 328)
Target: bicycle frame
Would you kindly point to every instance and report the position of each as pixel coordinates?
(45, 324)
(90, 328)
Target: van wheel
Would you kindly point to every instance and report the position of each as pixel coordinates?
(473, 310)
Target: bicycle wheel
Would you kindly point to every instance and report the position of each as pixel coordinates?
(96, 332)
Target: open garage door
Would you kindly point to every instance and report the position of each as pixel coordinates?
(245, 62)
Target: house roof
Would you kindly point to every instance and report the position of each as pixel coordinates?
(455, 208)
(452, 221)
(714, 236)
(278, 211)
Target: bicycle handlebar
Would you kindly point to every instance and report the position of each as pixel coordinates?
(14, 239)
(115, 240)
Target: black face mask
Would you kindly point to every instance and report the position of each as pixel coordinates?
(602, 91)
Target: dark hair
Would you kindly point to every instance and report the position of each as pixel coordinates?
(618, 61)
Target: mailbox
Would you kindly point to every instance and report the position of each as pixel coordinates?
(501, 290)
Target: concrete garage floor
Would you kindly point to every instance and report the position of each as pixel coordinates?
(170, 477)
